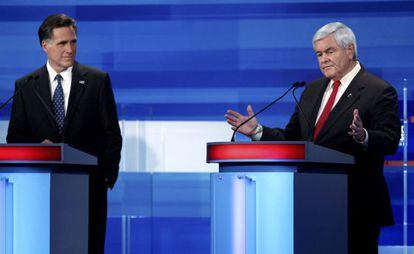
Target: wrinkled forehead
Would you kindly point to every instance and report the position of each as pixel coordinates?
(325, 43)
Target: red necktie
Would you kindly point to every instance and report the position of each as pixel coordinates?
(327, 110)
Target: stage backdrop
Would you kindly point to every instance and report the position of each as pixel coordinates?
(177, 65)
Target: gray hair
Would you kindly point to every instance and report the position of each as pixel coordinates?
(343, 35)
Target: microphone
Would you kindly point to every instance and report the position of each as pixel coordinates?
(45, 105)
(18, 91)
(309, 126)
(294, 85)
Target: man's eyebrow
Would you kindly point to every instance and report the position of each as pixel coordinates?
(324, 50)
(328, 49)
(66, 41)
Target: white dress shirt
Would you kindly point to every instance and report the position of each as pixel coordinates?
(66, 82)
(345, 81)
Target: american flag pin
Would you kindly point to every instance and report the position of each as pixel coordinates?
(82, 82)
(349, 96)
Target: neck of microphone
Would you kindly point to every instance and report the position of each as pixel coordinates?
(308, 125)
(45, 105)
(296, 84)
(16, 92)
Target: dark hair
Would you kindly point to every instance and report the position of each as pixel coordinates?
(54, 21)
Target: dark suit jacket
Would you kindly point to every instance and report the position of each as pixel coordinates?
(378, 107)
(91, 122)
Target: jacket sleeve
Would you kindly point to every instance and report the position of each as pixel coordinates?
(17, 130)
(384, 130)
(293, 130)
(110, 154)
(289, 133)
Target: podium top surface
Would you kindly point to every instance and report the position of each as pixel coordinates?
(276, 152)
(44, 154)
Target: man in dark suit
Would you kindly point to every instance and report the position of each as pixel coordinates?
(66, 102)
(349, 110)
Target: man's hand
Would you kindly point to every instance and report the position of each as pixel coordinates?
(234, 118)
(47, 141)
(357, 128)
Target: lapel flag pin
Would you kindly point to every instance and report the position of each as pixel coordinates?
(82, 82)
(349, 96)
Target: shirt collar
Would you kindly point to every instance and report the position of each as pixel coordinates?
(66, 74)
(347, 79)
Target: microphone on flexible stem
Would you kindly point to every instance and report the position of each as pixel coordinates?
(309, 127)
(294, 85)
(17, 92)
(51, 114)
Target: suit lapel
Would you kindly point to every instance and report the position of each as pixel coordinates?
(42, 90)
(317, 102)
(42, 86)
(77, 88)
(350, 96)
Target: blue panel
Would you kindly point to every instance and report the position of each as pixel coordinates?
(132, 196)
(237, 44)
(113, 242)
(170, 235)
(168, 213)
(394, 235)
(207, 11)
(410, 206)
(141, 235)
(275, 218)
(180, 235)
(250, 214)
(252, 79)
(3, 209)
(31, 212)
(9, 217)
(181, 195)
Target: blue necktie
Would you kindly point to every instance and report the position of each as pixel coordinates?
(59, 103)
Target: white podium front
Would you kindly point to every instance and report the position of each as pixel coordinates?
(278, 197)
(44, 190)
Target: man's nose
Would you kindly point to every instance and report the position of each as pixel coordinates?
(323, 58)
(69, 48)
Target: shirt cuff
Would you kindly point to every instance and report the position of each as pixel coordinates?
(365, 141)
(257, 133)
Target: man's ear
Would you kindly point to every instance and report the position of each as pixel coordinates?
(44, 46)
(350, 50)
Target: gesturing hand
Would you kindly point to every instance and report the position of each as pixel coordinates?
(234, 118)
(357, 128)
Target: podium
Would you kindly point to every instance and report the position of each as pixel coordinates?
(44, 195)
(278, 197)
